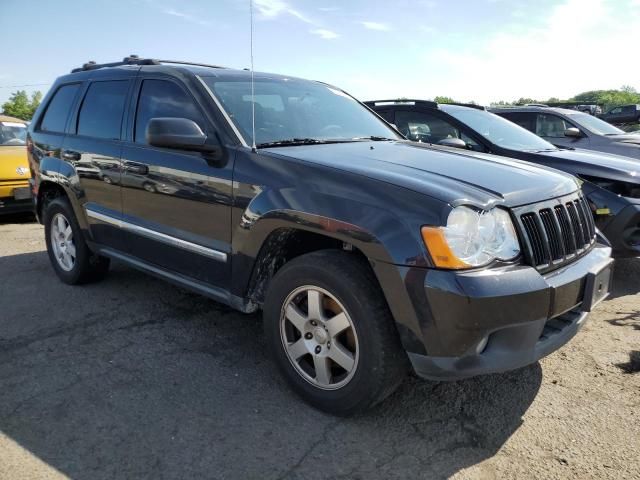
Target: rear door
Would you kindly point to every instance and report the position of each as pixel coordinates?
(93, 149)
(177, 204)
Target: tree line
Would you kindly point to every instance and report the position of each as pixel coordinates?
(20, 105)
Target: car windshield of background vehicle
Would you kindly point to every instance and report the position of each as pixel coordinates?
(595, 125)
(296, 111)
(13, 133)
(500, 131)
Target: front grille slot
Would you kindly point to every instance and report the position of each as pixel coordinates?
(554, 234)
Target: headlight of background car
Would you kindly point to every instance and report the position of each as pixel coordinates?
(472, 238)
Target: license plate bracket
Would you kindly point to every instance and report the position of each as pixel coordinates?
(21, 193)
(597, 287)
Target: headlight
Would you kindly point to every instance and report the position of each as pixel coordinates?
(472, 238)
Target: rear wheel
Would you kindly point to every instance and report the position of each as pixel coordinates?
(68, 252)
(331, 332)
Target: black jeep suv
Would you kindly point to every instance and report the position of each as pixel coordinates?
(610, 183)
(363, 250)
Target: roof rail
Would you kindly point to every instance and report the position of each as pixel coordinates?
(424, 103)
(136, 60)
(469, 105)
(535, 105)
(180, 62)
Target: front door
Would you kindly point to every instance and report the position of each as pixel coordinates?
(552, 127)
(176, 204)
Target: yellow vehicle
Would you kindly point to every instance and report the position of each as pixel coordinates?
(15, 191)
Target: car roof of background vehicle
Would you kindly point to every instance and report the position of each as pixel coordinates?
(6, 118)
(533, 108)
(418, 103)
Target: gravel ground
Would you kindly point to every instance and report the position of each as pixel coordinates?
(134, 378)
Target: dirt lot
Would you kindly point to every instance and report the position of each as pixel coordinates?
(134, 378)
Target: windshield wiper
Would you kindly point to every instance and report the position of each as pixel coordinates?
(375, 138)
(292, 142)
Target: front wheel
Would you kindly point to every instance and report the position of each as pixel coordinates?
(331, 333)
(68, 252)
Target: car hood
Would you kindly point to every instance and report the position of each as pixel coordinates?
(13, 163)
(450, 175)
(597, 164)
(631, 138)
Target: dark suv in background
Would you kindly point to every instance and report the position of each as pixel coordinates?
(363, 250)
(622, 114)
(569, 128)
(610, 182)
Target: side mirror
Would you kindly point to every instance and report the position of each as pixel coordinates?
(573, 132)
(178, 133)
(453, 142)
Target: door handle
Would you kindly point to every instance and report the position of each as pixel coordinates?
(70, 155)
(137, 168)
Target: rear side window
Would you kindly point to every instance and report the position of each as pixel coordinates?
(525, 120)
(102, 109)
(55, 117)
(161, 98)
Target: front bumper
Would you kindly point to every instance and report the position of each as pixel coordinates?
(9, 205)
(495, 320)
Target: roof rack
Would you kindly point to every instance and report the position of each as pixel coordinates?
(424, 103)
(136, 60)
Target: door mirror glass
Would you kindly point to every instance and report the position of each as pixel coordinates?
(453, 142)
(573, 132)
(178, 133)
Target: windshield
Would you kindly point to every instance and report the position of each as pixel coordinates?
(296, 110)
(594, 124)
(13, 133)
(498, 130)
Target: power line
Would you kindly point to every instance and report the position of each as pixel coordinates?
(25, 85)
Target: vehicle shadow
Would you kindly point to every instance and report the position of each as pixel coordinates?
(133, 378)
(626, 271)
(18, 218)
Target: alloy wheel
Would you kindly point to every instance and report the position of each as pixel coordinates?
(319, 337)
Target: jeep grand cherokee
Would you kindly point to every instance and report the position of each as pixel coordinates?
(367, 253)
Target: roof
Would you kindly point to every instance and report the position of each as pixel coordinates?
(531, 108)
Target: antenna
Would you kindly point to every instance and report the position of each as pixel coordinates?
(253, 103)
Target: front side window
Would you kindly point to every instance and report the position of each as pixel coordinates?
(55, 117)
(524, 119)
(13, 133)
(422, 127)
(594, 124)
(102, 109)
(162, 98)
(290, 109)
(498, 130)
(551, 126)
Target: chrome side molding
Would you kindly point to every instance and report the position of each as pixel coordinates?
(158, 236)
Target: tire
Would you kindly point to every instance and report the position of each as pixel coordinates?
(367, 334)
(70, 256)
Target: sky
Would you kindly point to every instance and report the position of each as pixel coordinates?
(480, 50)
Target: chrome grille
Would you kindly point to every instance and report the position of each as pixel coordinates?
(557, 231)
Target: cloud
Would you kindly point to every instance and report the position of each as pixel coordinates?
(325, 34)
(274, 8)
(186, 16)
(576, 48)
(381, 27)
(335, 9)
